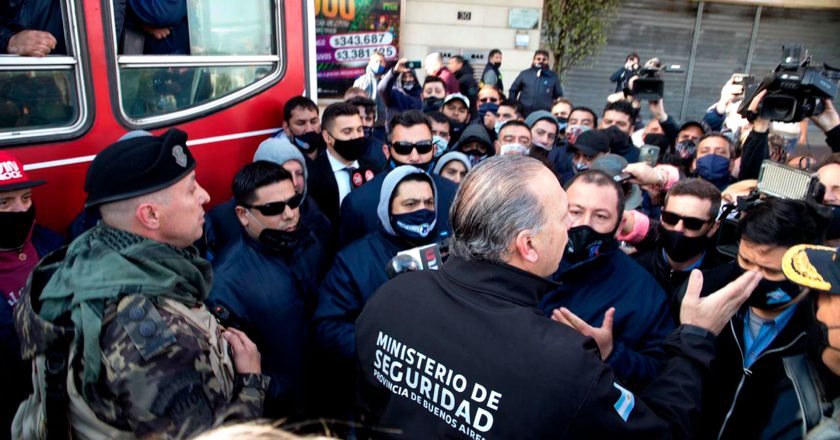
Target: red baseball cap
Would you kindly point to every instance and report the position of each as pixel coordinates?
(12, 176)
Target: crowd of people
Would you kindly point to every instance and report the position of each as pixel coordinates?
(589, 288)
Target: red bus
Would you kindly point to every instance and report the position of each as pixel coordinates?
(246, 59)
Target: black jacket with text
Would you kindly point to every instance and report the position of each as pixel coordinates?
(464, 352)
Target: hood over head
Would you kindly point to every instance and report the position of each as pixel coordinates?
(392, 180)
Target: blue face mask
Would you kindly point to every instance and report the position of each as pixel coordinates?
(562, 124)
(417, 225)
(580, 167)
(440, 145)
(379, 69)
(714, 169)
(498, 126)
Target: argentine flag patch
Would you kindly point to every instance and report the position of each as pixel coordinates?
(625, 403)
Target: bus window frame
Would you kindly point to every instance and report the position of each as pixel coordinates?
(78, 62)
(116, 62)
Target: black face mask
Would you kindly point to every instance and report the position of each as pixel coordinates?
(368, 132)
(586, 244)
(773, 295)
(456, 128)
(497, 65)
(681, 248)
(310, 141)
(426, 167)
(16, 227)
(351, 149)
(432, 104)
(281, 241)
(833, 231)
(818, 331)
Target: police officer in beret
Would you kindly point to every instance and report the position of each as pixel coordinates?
(146, 357)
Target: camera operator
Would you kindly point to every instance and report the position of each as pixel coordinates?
(407, 219)
(829, 122)
(467, 336)
(750, 395)
(623, 74)
(730, 96)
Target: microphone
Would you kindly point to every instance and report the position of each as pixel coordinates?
(401, 264)
(411, 260)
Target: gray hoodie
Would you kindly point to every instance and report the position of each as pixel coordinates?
(392, 180)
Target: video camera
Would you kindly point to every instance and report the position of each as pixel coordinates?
(649, 84)
(795, 89)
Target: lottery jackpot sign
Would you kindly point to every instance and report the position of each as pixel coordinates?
(348, 33)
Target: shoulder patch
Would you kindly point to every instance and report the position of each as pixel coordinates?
(144, 325)
(181, 398)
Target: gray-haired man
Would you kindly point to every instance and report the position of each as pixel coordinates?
(465, 349)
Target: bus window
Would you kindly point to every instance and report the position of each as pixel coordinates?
(40, 84)
(186, 59)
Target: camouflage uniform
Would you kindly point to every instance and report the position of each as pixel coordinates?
(162, 367)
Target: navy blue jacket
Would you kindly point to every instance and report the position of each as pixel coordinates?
(163, 13)
(40, 15)
(536, 92)
(358, 270)
(271, 296)
(641, 322)
(358, 211)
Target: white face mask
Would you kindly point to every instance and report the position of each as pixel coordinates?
(498, 126)
(513, 149)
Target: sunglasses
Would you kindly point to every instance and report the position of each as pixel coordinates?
(493, 100)
(690, 223)
(405, 148)
(277, 208)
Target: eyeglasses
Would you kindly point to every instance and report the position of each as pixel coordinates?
(493, 100)
(690, 223)
(422, 147)
(277, 208)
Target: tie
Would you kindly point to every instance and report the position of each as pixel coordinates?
(355, 181)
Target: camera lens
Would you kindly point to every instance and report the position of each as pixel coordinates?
(778, 108)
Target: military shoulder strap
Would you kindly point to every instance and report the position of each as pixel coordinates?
(145, 327)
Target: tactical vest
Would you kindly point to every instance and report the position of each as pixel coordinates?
(55, 395)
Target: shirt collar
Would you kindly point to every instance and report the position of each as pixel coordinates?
(336, 164)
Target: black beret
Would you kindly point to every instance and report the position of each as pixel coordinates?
(137, 166)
